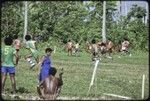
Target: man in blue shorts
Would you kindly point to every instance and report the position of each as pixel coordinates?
(8, 52)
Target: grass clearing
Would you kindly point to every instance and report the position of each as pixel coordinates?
(120, 76)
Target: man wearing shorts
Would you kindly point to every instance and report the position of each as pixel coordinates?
(30, 45)
(8, 53)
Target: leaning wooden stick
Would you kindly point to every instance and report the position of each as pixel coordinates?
(93, 76)
(143, 82)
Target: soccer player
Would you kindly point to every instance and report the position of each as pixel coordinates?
(31, 46)
(8, 64)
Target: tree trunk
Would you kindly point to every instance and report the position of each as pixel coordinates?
(104, 22)
(25, 20)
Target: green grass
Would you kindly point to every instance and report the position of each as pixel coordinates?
(121, 76)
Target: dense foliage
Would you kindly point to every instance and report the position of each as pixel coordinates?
(76, 20)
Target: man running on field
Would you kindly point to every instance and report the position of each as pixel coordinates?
(31, 46)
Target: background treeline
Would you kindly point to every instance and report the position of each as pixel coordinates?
(58, 21)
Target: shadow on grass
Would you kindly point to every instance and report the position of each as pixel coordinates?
(19, 90)
(22, 90)
(8, 93)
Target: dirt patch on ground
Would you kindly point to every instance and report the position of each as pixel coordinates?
(31, 97)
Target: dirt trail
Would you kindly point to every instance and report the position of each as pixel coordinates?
(31, 97)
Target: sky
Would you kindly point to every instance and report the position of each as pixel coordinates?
(126, 5)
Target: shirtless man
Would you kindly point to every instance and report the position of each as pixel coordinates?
(94, 50)
(69, 47)
(125, 46)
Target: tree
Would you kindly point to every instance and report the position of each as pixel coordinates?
(60, 21)
(137, 12)
(12, 18)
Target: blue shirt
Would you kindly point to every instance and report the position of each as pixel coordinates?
(45, 68)
(46, 63)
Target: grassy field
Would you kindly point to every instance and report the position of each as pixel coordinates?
(120, 76)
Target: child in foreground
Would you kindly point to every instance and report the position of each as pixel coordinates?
(8, 53)
(45, 65)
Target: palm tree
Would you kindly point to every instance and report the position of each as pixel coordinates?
(137, 12)
(25, 20)
(104, 22)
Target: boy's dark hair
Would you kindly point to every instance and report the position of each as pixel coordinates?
(103, 44)
(28, 37)
(69, 40)
(93, 41)
(53, 71)
(109, 39)
(77, 41)
(8, 41)
(48, 50)
(15, 36)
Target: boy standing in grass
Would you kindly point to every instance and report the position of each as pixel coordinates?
(94, 50)
(69, 47)
(8, 53)
(31, 46)
(45, 65)
(17, 44)
(125, 46)
(77, 48)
